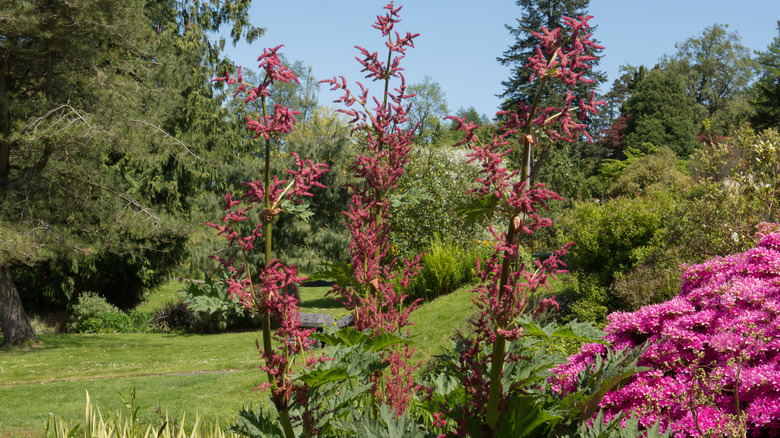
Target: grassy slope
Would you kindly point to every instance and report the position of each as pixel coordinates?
(212, 374)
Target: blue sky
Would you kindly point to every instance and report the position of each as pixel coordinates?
(460, 40)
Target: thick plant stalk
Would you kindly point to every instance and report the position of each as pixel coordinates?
(284, 413)
(266, 294)
(267, 345)
(499, 347)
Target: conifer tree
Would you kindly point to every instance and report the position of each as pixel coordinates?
(104, 138)
(766, 90)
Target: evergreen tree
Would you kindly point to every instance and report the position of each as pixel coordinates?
(661, 114)
(537, 14)
(766, 90)
(104, 138)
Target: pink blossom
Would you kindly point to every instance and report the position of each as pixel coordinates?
(718, 339)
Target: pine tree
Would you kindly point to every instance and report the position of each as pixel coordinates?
(767, 89)
(537, 14)
(105, 135)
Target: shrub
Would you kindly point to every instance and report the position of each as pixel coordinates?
(646, 284)
(584, 299)
(433, 185)
(446, 267)
(712, 352)
(212, 305)
(140, 320)
(93, 314)
(658, 169)
(615, 236)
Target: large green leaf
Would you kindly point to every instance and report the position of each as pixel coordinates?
(522, 416)
(316, 378)
(350, 337)
(478, 210)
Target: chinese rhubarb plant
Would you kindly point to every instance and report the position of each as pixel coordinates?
(510, 289)
(384, 151)
(712, 353)
(267, 291)
(374, 358)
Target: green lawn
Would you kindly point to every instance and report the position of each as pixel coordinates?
(212, 374)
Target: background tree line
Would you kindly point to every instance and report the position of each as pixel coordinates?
(115, 147)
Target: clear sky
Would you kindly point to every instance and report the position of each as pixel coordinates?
(460, 40)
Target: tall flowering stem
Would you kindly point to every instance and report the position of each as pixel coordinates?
(267, 292)
(510, 289)
(376, 304)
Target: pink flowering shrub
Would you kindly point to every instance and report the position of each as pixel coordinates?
(712, 353)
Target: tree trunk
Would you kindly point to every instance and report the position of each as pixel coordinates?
(16, 325)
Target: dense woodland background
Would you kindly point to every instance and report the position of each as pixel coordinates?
(115, 148)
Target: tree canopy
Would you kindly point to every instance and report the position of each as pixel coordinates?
(766, 91)
(717, 71)
(104, 134)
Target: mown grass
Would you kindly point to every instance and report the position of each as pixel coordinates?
(212, 374)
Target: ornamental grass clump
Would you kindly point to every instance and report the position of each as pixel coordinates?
(712, 353)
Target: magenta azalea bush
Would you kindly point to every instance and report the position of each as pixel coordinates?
(711, 353)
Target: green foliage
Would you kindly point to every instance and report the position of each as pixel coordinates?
(558, 165)
(612, 239)
(336, 388)
(107, 123)
(429, 106)
(432, 188)
(93, 314)
(213, 306)
(614, 236)
(766, 91)
(174, 316)
(446, 267)
(121, 425)
(615, 428)
(531, 410)
(662, 114)
(716, 70)
(648, 283)
(585, 300)
(386, 424)
(644, 173)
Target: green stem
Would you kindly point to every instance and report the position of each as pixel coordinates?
(284, 415)
(499, 347)
(267, 344)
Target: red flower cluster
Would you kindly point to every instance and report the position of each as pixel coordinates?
(269, 292)
(375, 302)
(509, 287)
